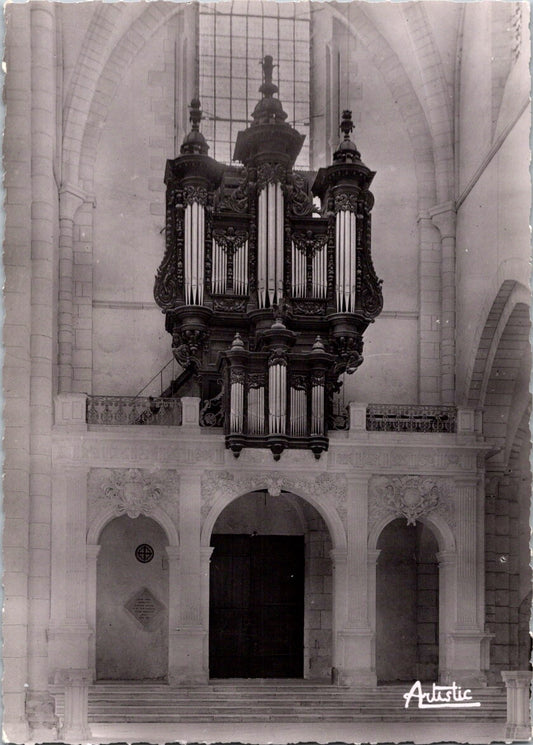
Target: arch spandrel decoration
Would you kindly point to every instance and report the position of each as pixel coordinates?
(416, 498)
(326, 492)
(113, 492)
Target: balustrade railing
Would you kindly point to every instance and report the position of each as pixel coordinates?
(133, 410)
(407, 418)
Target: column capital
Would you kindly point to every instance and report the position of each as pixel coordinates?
(443, 217)
(173, 552)
(71, 198)
(205, 553)
(516, 678)
(338, 556)
(92, 550)
(373, 556)
(446, 558)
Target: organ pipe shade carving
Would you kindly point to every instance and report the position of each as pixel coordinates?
(267, 299)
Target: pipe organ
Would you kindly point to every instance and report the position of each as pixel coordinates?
(266, 297)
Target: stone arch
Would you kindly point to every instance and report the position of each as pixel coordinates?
(94, 84)
(505, 292)
(327, 512)
(433, 520)
(390, 66)
(157, 514)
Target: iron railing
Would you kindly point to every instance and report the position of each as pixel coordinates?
(407, 418)
(133, 410)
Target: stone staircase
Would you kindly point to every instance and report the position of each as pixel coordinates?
(274, 701)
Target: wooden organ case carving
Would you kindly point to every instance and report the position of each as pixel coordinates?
(265, 296)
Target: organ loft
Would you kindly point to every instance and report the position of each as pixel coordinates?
(267, 282)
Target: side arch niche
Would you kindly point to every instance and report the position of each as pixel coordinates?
(132, 601)
(407, 603)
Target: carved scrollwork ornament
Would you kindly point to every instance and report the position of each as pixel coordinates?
(318, 378)
(237, 375)
(236, 201)
(309, 243)
(270, 173)
(188, 345)
(300, 202)
(404, 496)
(309, 307)
(278, 356)
(256, 380)
(230, 239)
(346, 201)
(298, 382)
(193, 194)
(230, 304)
(349, 351)
(371, 293)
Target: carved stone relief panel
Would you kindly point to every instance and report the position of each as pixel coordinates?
(328, 488)
(411, 497)
(400, 458)
(132, 492)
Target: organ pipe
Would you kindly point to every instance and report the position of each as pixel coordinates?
(298, 412)
(256, 411)
(345, 260)
(237, 407)
(219, 278)
(317, 409)
(194, 259)
(277, 399)
(270, 212)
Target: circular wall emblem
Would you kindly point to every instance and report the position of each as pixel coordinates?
(144, 553)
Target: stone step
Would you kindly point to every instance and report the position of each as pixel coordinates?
(269, 701)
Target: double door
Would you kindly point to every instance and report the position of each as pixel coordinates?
(256, 614)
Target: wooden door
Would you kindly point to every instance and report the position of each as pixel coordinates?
(256, 607)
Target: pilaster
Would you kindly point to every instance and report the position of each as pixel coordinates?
(70, 199)
(44, 204)
(518, 684)
(443, 217)
(75, 721)
(16, 370)
(69, 632)
(189, 638)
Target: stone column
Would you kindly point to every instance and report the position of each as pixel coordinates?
(70, 199)
(91, 553)
(188, 639)
(174, 605)
(443, 217)
(429, 324)
(68, 634)
(447, 611)
(372, 563)
(205, 560)
(339, 608)
(356, 665)
(518, 683)
(467, 649)
(44, 204)
(76, 682)
(16, 372)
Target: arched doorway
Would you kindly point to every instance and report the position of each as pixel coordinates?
(407, 604)
(132, 601)
(270, 590)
